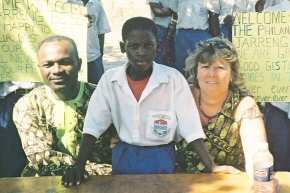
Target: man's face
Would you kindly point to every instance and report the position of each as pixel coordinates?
(58, 65)
(140, 48)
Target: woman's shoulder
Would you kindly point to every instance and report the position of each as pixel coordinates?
(247, 108)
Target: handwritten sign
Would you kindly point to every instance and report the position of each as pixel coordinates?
(24, 23)
(263, 44)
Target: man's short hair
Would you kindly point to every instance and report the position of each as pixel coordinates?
(59, 38)
(138, 23)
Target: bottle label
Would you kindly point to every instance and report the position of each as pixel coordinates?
(263, 174)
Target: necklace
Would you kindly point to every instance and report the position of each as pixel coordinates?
(209, 117)
(206, 115)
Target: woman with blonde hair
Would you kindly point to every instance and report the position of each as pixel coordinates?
(230, 117)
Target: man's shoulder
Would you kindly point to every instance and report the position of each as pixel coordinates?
(36, 96)
(38, 92)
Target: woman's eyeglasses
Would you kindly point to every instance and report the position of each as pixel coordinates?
(215, 44)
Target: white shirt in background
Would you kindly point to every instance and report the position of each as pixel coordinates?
(221, 7)
(163, 21)
(100, 25)
(193, 14)
(282, 6)
(244, 5)
(270, 3)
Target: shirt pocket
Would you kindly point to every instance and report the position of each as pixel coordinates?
(161, 126)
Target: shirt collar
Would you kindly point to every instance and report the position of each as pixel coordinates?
(158, 75)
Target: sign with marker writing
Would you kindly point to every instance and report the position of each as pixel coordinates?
(263, 44)
(24, 23)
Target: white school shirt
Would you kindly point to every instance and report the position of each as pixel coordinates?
(165, 111)
(192, 14)
(100, 25)
(282, 6)
(270, 3)
(163, 21)
(244, 5)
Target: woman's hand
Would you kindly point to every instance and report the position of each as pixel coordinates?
(267, 187)
(225, 169)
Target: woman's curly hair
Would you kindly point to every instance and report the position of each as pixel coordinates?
(210, 50)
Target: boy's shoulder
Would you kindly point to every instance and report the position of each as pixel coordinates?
(113, 73)
(166, 70)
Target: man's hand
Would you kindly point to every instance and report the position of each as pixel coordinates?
(259, 7)
(225, 169)
(267, 187)
(74, 176)
(91, 19)
(229, 20)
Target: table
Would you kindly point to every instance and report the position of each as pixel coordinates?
(171, 183)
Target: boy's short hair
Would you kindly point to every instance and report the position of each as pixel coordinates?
(138, 23)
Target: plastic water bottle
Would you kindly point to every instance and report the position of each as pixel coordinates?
(263, 164)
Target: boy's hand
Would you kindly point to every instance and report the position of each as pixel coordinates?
(225, 169)
(267, 187)
(74, 176)
(114, 141)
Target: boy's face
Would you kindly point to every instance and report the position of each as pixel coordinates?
(140, 48)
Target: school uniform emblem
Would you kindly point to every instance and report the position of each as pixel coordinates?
(160, 127)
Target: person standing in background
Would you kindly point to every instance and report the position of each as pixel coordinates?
(162, 13)
(196, 22)
(277, 119)
(225, 11)
(98, 26)
(12, 156)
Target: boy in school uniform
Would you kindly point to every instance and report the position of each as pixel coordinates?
(162, 12)
(149, 104)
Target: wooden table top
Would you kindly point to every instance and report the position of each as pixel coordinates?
(172, 183)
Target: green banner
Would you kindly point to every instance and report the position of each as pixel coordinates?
(24, 23)
(263, 43)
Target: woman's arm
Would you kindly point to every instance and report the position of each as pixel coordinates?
(252, 132)
(252, 129)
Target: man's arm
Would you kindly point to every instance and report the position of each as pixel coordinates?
(101, 42)
(213, 22)
(160, 11)
(37, 140)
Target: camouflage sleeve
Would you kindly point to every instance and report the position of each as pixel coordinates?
(37, 140)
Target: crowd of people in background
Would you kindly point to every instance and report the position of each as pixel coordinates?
(177, 105)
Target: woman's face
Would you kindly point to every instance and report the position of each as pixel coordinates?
(215, 76)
